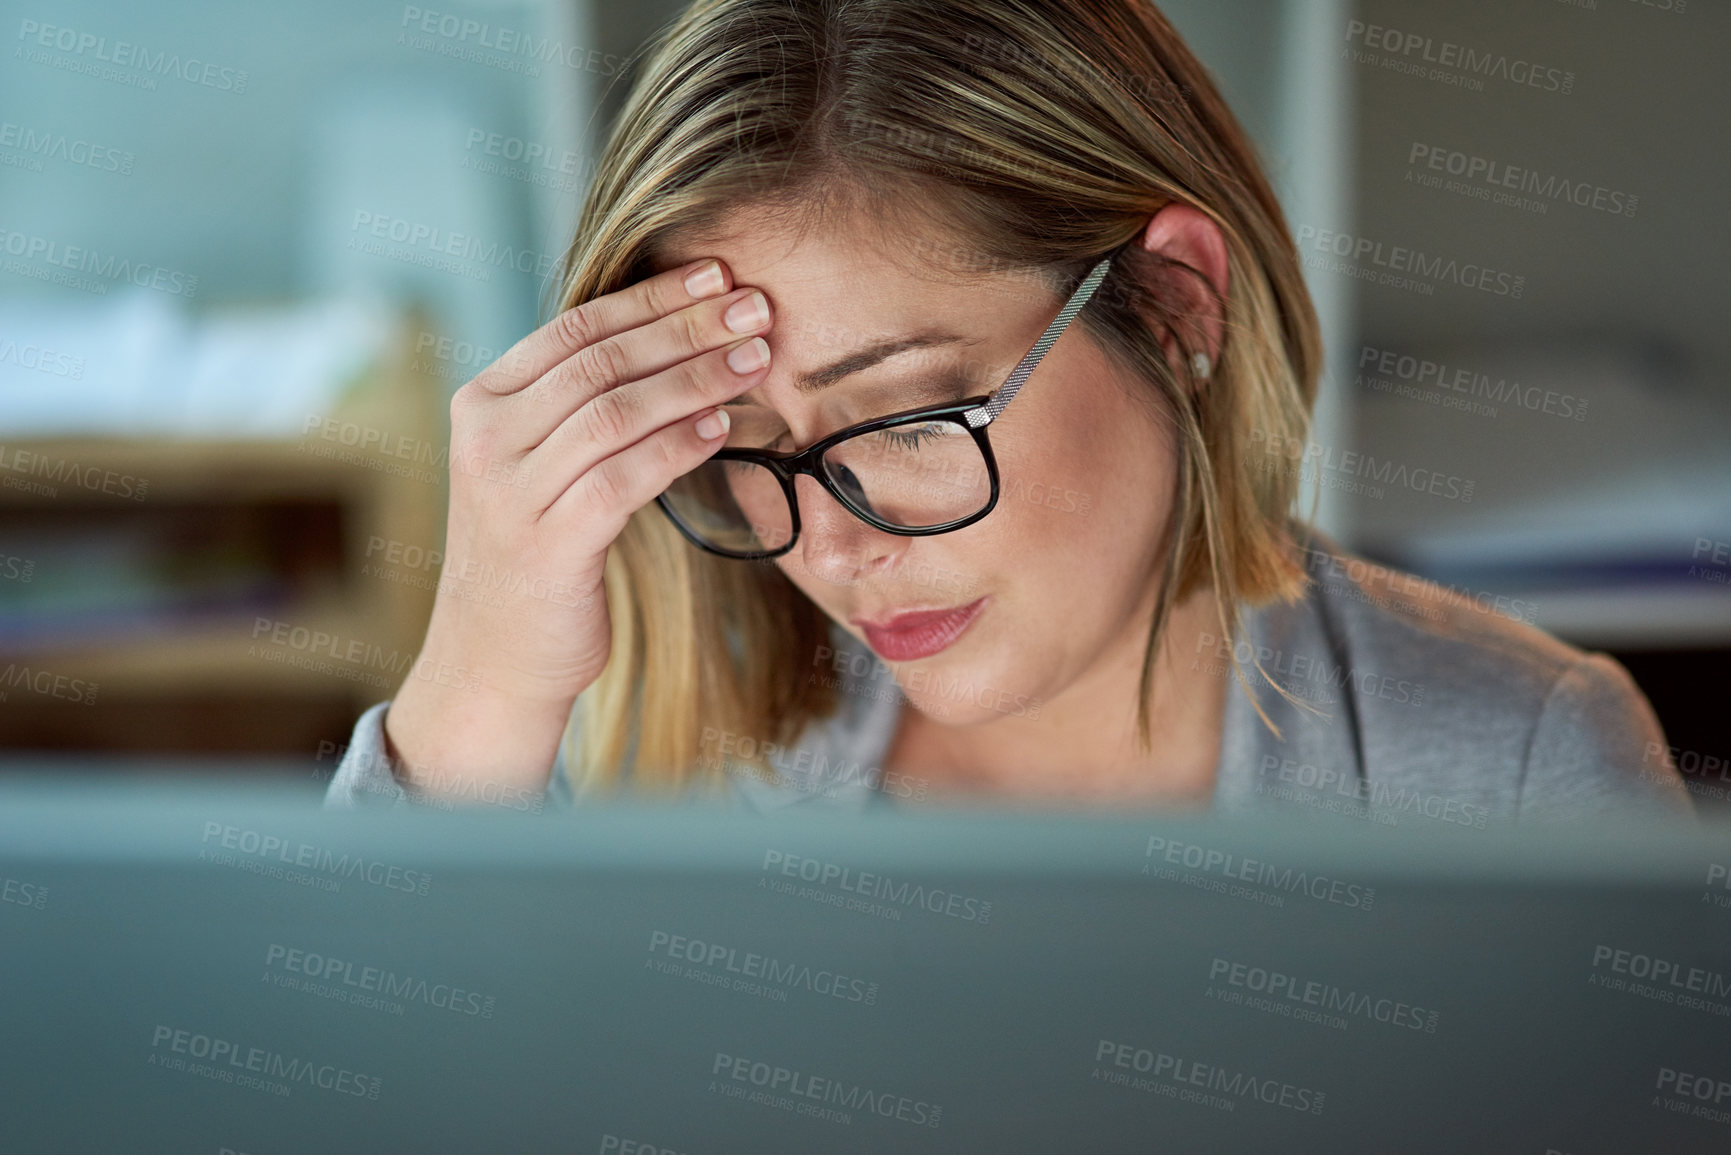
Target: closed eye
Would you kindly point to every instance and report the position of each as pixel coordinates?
(910, 436)
(754, 422)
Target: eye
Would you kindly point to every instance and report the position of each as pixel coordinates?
(910, 436)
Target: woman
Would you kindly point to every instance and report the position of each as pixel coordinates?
(815, 214)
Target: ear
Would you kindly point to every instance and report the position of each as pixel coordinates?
(1190, 237)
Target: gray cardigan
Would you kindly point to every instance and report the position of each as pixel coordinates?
(1406, 705)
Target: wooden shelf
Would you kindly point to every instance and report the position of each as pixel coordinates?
(219, 683)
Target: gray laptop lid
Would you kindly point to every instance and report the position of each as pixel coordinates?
(198, 971)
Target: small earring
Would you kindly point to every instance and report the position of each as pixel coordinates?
(1201, 366)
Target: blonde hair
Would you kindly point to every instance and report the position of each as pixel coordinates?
(1041, 135)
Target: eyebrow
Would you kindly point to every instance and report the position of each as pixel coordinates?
(864, 358)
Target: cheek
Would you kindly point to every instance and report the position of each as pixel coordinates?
(1136, 482)
(1051, 496)
(1097, 494)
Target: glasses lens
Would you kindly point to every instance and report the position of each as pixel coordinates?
(733, 506)
(917, 475)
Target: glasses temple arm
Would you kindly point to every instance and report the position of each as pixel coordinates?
(985, 414)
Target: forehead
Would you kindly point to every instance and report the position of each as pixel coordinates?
(821, 281)
(848, 278)
(869, 318)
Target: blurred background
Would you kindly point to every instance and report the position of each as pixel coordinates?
(248, 252)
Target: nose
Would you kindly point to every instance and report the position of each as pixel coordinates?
(837, 547)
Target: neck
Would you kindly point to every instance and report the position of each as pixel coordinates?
(1083, 745)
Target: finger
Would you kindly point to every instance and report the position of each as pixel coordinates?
(605, 316)
(619, 418)
(588, 378)
(602, 499)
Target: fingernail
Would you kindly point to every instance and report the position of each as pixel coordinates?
(747, 313)
(713, 425)
(749, 357)
(704, 281)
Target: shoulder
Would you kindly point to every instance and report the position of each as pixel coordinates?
(1530, 725)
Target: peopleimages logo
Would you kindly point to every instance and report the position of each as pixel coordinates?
(807, 769)
(62, 263)
(90, 52)
(1701, 1096)
(1227, 865)
(1485, 178)
(1233, 1086)
(94, 478)
(38, 145)
(1302, 669)
(463, 36)
(1421, 597)
(444, 242)
(47, 683)
(31, 894)
(1400, 371)
(41, 360)
(766, 969)
(1400, 266)
(230, 1062)
(793, 1090)
(251, 846)
(878, 886)
(1456, 63)
(1283, 991)
(1669, 976)
(1379, 795)
(341, 973)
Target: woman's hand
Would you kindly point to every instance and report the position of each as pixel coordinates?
(553, 447)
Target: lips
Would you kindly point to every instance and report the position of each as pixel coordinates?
(920, 633)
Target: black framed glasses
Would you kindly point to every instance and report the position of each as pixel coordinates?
(914, 473)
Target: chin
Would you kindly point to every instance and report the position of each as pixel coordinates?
(965, 694)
